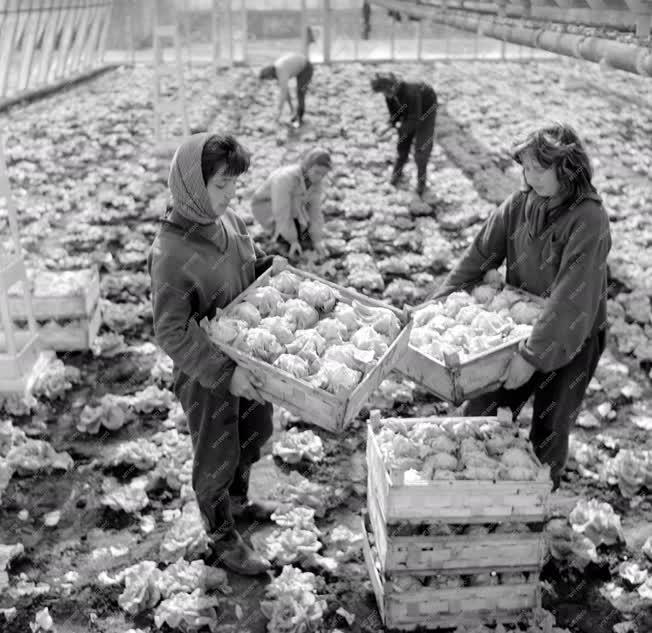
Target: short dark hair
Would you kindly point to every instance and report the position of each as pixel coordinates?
(560, 146)
(223, 150)
(384, 81)
(268, 72)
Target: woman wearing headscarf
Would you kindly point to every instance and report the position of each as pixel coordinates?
(414, 106)
(201, 259)
(288, 203)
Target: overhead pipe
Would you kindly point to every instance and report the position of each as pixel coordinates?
(627, 57)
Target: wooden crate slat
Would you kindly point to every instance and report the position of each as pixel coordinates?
(70, 339)
(458, 554)
(300, 397)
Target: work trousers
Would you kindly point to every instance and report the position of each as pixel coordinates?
(558, 397)
(227, 434)
(303, 81)
(421, 133)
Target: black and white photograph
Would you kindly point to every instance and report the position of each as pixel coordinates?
(325, 316)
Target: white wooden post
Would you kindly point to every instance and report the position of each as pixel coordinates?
(230, 20)
(327, 31)
(643, 23)
(17, 361)
(304, 28)
(244, 30)
(420, 39)
(356, 41)
(502, 12)
(392, 36)
(215, 34)
(104, 34)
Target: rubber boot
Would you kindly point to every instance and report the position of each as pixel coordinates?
(397, 172)
(242, 508)
(232, 552)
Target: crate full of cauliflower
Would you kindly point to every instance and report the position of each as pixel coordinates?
(319, 349)
(454, 470)
(460, 347)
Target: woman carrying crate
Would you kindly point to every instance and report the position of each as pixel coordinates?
(554, 235)
(414, 105)
(201, 259)
(288, 203)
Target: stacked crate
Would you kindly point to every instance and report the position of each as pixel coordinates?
(68, 319)
(392, 502)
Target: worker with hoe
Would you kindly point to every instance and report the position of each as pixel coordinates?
(554, 236)
(414, 106)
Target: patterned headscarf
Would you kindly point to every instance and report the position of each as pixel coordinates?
(187, 183)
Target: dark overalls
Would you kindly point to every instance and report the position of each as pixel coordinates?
(414, 105)
(303, 81)
(193, 273)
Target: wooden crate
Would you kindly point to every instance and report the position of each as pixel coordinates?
(453, 554)
(458, 501)
(311, 404)
(72, 338)
(74, 306)
(456, 380)
(447, 608)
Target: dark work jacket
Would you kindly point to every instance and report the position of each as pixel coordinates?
(196, 269)
(412, 103)
(559, 254)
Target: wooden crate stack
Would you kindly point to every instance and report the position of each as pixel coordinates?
(66, 322)
(391, 502)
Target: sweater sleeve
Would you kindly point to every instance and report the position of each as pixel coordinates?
(487, 252)
(282, 200)
(177, 331)
(316, 217)
(570, 311)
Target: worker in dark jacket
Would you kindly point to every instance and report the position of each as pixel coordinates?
(555, 237)
(414, 106)
(201, 260)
